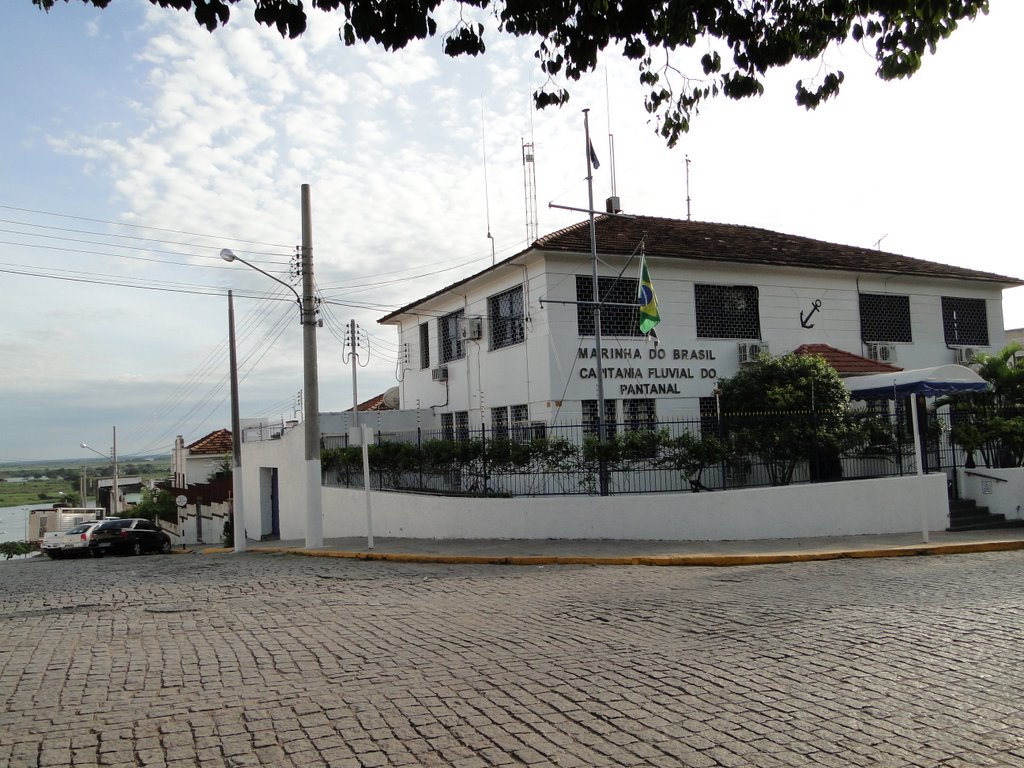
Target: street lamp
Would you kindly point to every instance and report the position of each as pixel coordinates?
(114, 503)
(311, 400)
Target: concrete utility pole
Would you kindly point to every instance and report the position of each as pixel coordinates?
(237, 510)
(115, 504)
(311, 398)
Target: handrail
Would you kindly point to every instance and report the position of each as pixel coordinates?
(987, 477)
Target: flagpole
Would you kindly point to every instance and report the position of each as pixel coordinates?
(601, 426)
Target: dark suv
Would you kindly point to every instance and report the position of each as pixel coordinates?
(131, 536)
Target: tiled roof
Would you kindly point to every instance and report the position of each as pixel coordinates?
(736, 244)
(845, 363)
(374, 404)
(217, 442)
(727, 243)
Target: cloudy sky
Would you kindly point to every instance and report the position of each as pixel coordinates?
(137, 145)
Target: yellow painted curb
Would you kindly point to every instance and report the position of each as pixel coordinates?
(705, 560)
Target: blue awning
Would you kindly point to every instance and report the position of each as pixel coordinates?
(930, 382)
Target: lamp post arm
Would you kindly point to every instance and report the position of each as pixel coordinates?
(272, 277)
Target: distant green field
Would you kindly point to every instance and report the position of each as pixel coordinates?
(52, 482)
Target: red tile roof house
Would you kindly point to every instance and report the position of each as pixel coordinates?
(206, 496)
(515, 344)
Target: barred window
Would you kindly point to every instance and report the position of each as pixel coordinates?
(520, 414)
(639, 413)
(462, 425)
(885, 317)
(965, 321)
(709, 415)
(447, 426)
(505, 312)
(499, 423)
(616, 320)
(424, 345)
(727, 311)
(590, 417)
(449, 334)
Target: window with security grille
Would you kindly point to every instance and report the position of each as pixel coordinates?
(448, 426)
(424, 345)
(520, 416)
(885, 317)
(639, 413)
(449, 335)
(590, 417)
(709, 415)
(619, 308)
(727, 311)
(462, 425)
(965, 321)
(499, 423)
(505, 316)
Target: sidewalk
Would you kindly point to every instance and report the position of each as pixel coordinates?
(626, 552)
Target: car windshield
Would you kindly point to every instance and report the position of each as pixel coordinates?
(112, 525)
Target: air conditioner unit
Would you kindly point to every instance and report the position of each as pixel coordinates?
(964, 355)
(749, 351)
(440, 374)
(883, 353)
(472, 328)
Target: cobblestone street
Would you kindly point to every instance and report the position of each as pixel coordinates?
(282, 660)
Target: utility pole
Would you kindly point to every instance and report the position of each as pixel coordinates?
(311, 398)
(115, 505)
(353, 353)
(237, 510)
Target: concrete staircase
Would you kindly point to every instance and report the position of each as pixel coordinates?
(966, 515)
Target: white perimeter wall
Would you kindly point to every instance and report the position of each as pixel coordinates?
(889, 505)
(892, 505)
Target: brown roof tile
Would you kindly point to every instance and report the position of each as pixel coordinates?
(845, 363)
(727, 243)
(217, 442)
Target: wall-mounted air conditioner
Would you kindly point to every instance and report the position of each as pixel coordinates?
(965, 355)
(472, 328)
(440, 373)
(883, 353)
(749, 351)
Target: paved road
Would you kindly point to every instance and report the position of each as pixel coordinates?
(280, 660)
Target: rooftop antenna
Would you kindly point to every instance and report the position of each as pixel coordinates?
(878, 242)
(530, 184)
(487, 196)
(611, 136)
(687, 187)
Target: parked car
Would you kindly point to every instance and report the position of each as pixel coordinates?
(70, 542)
(131, 536)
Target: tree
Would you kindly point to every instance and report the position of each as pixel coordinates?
(755, 37)
(787, 410)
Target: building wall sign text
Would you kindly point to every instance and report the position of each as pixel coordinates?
(650, 373)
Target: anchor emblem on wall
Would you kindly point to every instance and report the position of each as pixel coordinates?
(805, 320)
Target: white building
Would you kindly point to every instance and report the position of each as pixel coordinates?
(515, 343)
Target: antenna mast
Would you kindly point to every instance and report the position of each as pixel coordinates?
(487, 194)
(530, 191)
(687, 187)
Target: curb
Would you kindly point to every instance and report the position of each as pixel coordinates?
(705, 560)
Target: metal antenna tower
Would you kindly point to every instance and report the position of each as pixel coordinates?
(530, 191)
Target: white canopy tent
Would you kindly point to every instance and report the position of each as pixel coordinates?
(928, 382)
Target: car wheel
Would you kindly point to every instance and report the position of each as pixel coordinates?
(165, 547)
(136, 547)
(53, 554)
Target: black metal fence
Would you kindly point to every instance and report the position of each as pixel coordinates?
(707, 454)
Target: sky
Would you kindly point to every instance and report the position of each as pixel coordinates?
(137, 146)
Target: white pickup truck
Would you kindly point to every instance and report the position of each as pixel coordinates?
(56, 540)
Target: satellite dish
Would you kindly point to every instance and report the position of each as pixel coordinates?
(391, 399)
(181, 500)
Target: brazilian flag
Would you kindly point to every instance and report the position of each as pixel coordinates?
(648, 301)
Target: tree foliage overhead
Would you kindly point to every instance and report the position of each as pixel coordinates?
(741, 40)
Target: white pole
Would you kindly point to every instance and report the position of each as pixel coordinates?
(920, 464)
(367, 434)
(115, 507)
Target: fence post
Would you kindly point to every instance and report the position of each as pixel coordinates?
(419, 455)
